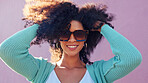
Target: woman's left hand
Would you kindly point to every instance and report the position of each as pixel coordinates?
(97, 26)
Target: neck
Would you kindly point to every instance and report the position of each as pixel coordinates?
(70, 62)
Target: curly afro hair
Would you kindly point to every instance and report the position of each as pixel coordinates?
(55, 17)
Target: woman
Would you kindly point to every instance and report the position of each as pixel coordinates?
(72, 33)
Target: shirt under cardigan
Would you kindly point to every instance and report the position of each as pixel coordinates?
(53, 78)
(14, 52)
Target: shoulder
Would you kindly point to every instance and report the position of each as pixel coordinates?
(96, 64)
(45, 68)
(45, 62)
(96, 71)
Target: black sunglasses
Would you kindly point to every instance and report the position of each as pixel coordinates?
(79, 35)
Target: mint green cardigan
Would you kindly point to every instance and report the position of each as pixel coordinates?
(14, 52)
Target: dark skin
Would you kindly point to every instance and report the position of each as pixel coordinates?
(70, 66)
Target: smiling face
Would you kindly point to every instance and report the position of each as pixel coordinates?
(72, 47)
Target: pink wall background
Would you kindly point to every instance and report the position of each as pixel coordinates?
(131, 22)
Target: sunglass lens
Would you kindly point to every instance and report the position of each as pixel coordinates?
(80, 35)
(65, 35)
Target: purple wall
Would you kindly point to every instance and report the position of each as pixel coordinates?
(131, 22)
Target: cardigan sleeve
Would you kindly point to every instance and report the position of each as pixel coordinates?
(126, 58)
(14, 52)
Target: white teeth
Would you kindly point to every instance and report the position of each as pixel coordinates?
(72, 46)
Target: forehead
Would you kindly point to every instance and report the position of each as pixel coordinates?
(75, 25)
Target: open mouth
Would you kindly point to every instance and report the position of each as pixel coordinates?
(72, 47)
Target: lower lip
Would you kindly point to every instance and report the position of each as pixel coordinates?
(72, 48)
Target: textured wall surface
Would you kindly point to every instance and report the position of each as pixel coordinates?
(130, 20)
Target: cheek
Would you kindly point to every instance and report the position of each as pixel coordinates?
(81, 45)
(63, 45)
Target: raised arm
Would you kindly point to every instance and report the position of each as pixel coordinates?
(126, 58)
(14, 52)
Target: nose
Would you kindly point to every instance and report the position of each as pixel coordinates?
(72, 38)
